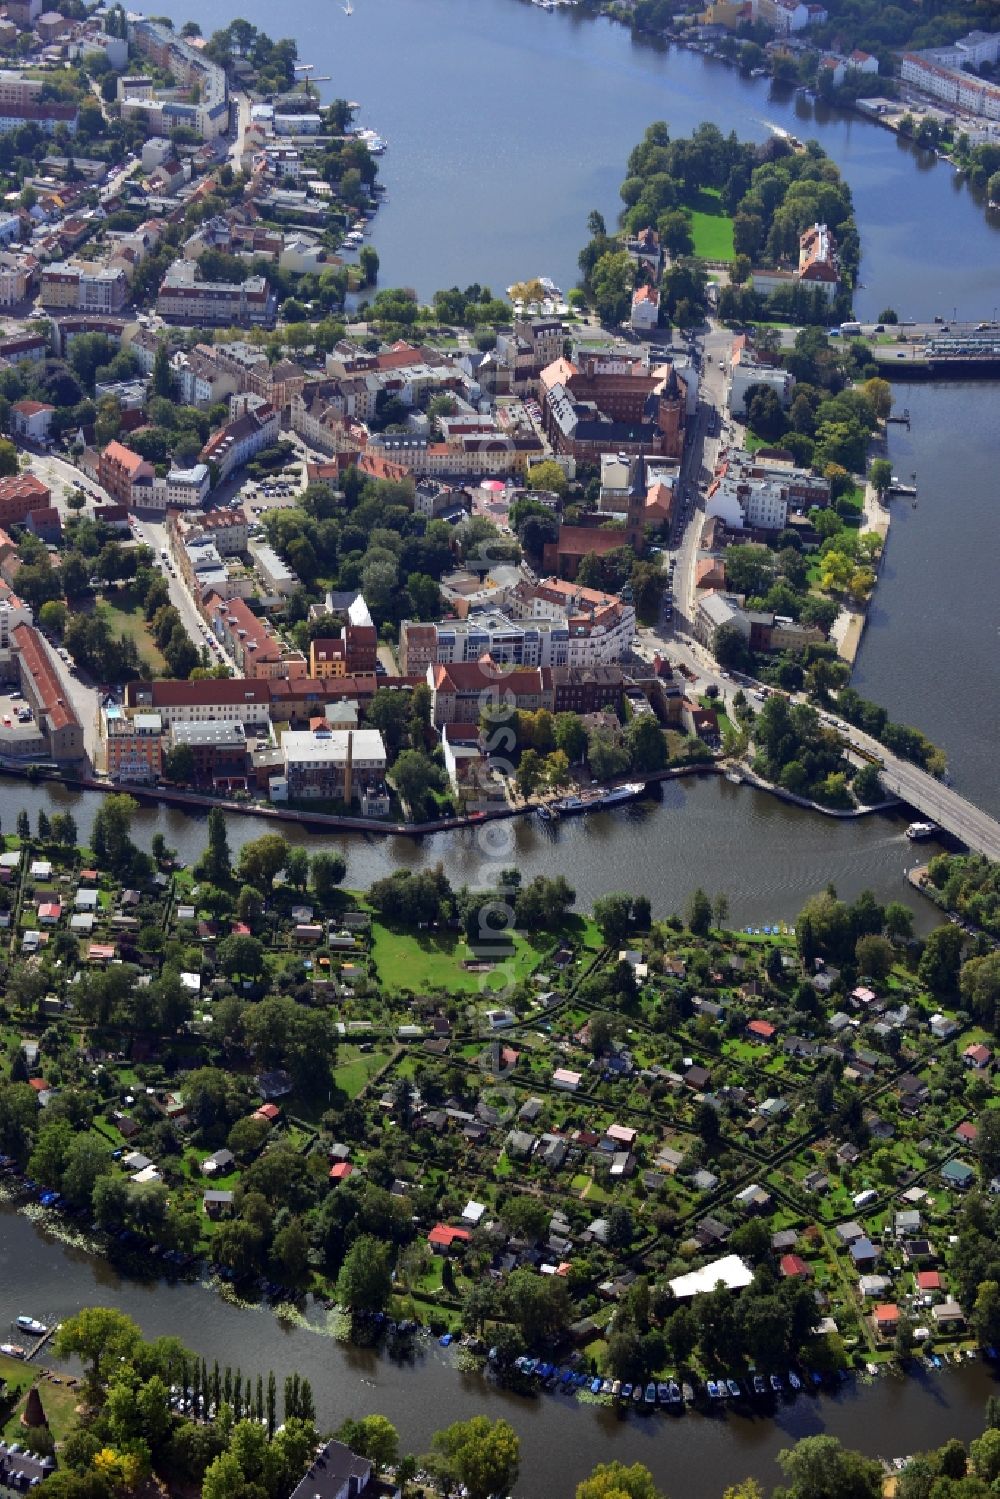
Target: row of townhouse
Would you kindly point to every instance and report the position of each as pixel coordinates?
(251, 641)
(935, 72)
(254, 702)
(209, 114)
(469, 455)
(133, 482)
(254, 424)
(465, 692)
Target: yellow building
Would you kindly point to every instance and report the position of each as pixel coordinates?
(327, 658)
(727, 13)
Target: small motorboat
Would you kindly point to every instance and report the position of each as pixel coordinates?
(31, 1324)
(759, 1386)
(794, 1380)
(651, 1393)
(12, 1350)
(776, 1384)
(733, 1386)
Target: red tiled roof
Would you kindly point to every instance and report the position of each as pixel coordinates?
(36, 661)
(444, 1235)
(929, 1280)
(341, 1171)
(577, 541)
(472, 676)
(792, 1265)
(198, 694)
(762, 1028)
(24, 487)
(118, 453)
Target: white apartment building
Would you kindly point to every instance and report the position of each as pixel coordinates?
(332, 762)
(278, 578)
(753, 493)
(255, 426)
(183, 298)
(233, 700)
(746, 373)
(940, 72)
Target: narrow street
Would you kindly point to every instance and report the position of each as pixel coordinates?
(154, 533)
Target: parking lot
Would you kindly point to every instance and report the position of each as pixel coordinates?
(17, 722)
(258, 496)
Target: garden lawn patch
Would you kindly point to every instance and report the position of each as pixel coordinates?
(354, 1068)
(433, 960)
(58, 1400)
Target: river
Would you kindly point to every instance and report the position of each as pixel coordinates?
(929, 653)
(560, 1441)
(506, 124)
(765, 855)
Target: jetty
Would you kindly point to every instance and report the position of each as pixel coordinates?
(42, 1342)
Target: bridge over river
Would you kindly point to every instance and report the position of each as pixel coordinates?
(926, 794)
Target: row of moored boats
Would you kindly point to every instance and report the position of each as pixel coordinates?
(666, 1394)
(590, 801)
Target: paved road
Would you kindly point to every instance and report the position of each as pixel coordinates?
(936, 801)
(155, 533)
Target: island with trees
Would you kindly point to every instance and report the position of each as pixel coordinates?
(627, 1149)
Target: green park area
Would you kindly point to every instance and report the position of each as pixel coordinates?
(123, 614)
(437, 960)
(711, 227)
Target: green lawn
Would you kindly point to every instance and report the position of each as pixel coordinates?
(422, 960)
(123, 613)
(354, 1068)
(712, 229)
(58, 1401)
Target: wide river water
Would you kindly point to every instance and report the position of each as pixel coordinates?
(506, 125)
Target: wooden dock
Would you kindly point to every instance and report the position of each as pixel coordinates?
(42, 1342)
